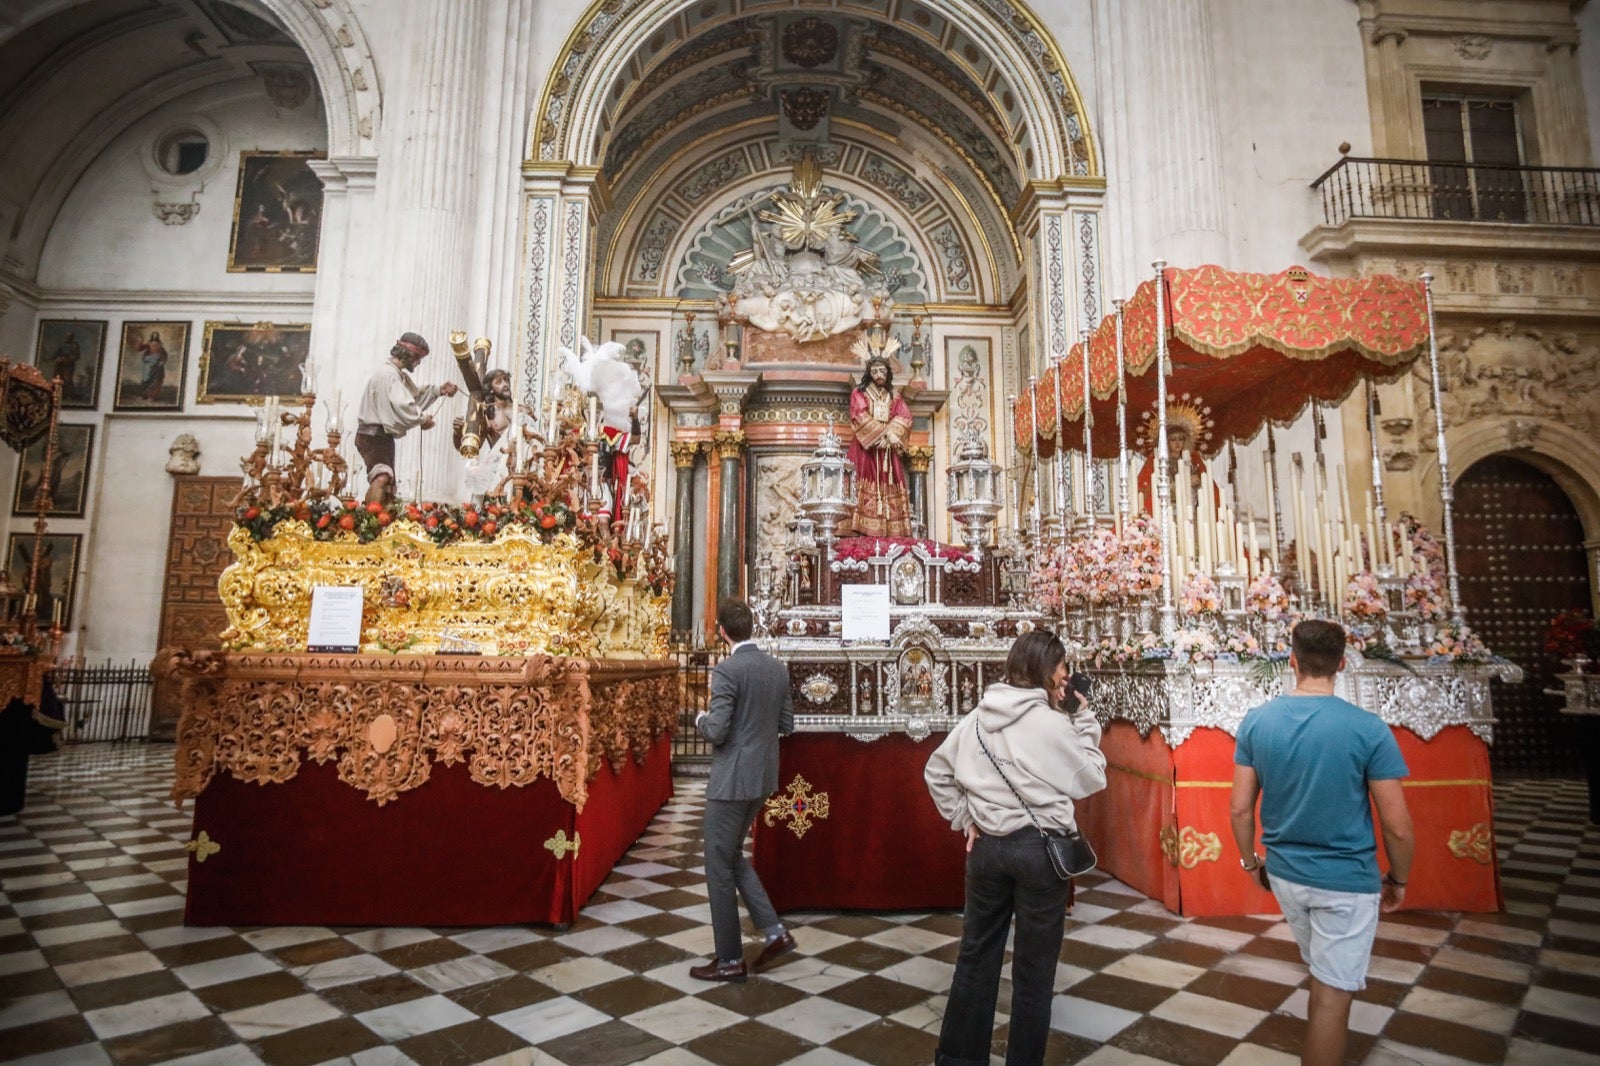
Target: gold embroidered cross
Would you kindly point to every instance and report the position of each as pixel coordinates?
(797, 806)
(202, 847)
(559, 845)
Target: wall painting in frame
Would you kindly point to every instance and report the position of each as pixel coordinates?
(151, 365)
(58, 571)
(73, 350)
(69, 484)
(277, 213)
(242, 363)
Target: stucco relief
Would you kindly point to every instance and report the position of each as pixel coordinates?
(1512, 369)
(777, 500)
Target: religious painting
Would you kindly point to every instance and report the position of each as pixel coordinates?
(69, 478)
(72, 350)
(151, 366)
(639, 350)
(247, 363)
(56, 577)
(277, 213)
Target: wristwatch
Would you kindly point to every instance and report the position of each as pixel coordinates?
(1252, 864)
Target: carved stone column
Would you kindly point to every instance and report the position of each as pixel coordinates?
(684, 455)
(730, 513)
(918, 458)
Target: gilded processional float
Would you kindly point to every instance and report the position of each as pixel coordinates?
(1173, 587)
(501, 731)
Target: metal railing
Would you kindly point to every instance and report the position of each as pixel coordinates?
(1462, 192)
(104, 702)
(694, 695)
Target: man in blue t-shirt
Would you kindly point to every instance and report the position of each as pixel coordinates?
(1314, 759)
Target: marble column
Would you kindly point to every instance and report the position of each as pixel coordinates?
(559, 206)
(918, 458)
(684, 455)
(730, 512)
(342, 355)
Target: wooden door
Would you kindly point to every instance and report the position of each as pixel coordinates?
(197, 553)
(1520, 548)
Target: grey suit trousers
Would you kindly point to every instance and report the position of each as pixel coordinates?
(727, 823)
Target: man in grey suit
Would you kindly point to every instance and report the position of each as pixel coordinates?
(750, 709)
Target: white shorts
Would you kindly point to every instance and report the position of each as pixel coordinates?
(1335, 931)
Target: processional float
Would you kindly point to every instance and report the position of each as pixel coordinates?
(501, 731)
(1182, 615)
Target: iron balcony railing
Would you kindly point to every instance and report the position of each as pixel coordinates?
(1460, 192)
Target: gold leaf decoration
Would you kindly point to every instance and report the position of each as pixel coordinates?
(798, 806)
(1169, 844)
(1476, 843)
(202, 847)
(1195, 847)
(560, 846)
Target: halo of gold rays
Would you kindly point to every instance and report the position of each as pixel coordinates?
(1185, 413)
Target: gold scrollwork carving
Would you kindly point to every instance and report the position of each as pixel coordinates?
(511, 720)
(1476, 843)
(798, 806)
(1169, 844)
(516, 595)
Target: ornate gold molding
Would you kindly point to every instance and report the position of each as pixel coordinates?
(511, 720)
(1476, 843)
(919, 457)
(684, 452)
(729, 443)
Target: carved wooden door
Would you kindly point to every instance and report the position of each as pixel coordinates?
(1521, 558)
(197, 553)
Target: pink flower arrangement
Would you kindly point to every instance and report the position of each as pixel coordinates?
(1454, 640)
(864, 548)
(1196, 645)
(1424, 594)
(1267, 598)
(1200, 595)
(1363, 599)
(1241, 645)
(1140, 557)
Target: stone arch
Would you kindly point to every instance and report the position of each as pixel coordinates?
(347, 74)
(568, 123)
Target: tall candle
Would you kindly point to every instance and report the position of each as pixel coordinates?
(1374, 559)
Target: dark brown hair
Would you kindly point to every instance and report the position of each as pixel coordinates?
(1033, 658)
(735, 619)
(1318, 647)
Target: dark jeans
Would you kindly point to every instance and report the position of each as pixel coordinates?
(1005, 876)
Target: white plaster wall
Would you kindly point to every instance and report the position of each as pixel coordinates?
(119, 599)
(108, 238)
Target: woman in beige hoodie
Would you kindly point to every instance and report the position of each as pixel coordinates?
(1051, 757)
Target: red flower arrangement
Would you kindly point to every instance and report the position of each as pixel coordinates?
(1571, 635)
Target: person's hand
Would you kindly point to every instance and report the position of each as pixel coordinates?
(1394, 894)
(427, 422)
(972, 836)
(1083, 701)
(448, 389)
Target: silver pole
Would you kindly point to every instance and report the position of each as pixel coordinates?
(1088, 438)
(1122, 421)
(1169, 613)
(1033, 451)
(1447, 494)
(1277, 497)
(1063, 493)
(1379, 513)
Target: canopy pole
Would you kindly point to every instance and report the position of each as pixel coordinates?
(1169, 614)
(1122, 423)
(1088, 441)
(1447, 493)
(1277, 506)
(1063, 490)
(1380, 514)
(1037, 523)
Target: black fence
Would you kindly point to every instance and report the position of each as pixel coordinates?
(104, 702)
(1462, 192)
(689, 749)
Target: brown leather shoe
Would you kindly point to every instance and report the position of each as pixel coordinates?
(774, 951)
(717, 970)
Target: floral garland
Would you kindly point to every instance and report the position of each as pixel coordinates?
(860, 549)
(330, 519)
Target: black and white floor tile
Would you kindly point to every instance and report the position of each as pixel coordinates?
(96, 965)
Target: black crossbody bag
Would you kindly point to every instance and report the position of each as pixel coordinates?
(1070, 853)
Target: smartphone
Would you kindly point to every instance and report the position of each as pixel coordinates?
(1081, 683)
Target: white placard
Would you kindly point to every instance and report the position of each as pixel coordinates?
(865, 611)
(335, 618)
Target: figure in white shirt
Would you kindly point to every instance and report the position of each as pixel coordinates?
(392, 405)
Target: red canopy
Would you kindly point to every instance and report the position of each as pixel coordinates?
(1248, 348)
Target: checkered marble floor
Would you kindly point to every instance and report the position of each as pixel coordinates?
(96, 966)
